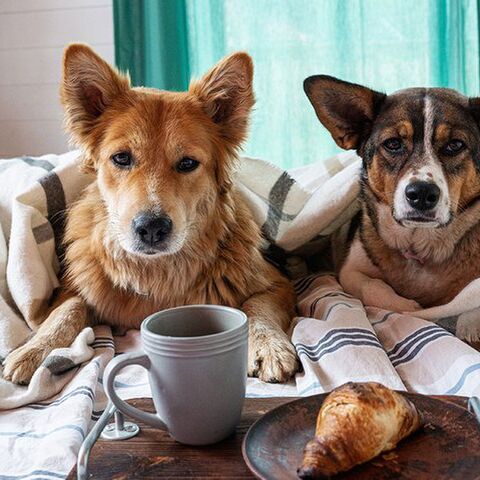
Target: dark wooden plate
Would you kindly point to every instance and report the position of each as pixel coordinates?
(447, 447)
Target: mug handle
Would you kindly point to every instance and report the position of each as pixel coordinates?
(114, 366)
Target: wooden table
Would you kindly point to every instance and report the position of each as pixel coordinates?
(153, 454)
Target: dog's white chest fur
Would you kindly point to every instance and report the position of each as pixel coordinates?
(423, 264)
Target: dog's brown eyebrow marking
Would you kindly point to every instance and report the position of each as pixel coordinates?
(405, 129)
(429, 175)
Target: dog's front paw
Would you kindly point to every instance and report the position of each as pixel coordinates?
(407, 306)
(396, 304)
(271, 358)
(21, 364)
(376, 293)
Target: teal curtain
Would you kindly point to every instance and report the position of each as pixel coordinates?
(151, 42)
(386, 44)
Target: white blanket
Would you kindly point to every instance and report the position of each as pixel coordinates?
(337, 339)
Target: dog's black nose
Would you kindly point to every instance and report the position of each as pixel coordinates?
(422, 195)
(151, 228)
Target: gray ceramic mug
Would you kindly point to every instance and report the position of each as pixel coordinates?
(196, 357)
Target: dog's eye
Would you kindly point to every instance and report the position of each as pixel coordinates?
(186, 165)
(393, 145)
(453, 147)
(122, 159)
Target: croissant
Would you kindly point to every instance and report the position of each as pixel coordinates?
(357, 422)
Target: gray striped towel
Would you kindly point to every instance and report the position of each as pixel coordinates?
(304, 215)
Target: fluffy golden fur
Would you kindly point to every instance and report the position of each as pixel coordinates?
(213, 252)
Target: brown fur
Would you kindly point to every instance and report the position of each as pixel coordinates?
(214, 254)
(392, 265)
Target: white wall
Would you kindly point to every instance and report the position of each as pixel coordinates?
(33, 34)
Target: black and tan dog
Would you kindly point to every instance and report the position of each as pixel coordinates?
(418, 244)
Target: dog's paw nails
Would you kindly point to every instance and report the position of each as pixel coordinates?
(21, 364)
(273, 359)
(254, 368)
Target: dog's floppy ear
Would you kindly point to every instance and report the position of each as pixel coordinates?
(347, 110)
(226, 93)
(89, 85)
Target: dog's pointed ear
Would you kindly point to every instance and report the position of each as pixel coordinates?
(226, 93)
(89, 85)
(347, 110)
(474, 104)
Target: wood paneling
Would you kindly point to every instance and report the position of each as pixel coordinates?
(33, 35)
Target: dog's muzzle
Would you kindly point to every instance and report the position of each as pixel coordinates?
(422, 196)
(421, 201)
(152, 229)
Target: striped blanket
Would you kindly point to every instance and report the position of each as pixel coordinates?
(304, 214)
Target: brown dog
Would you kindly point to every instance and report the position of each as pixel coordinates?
(419, 239)
(162, 225)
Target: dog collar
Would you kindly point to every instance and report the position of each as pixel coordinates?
(411, 255)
